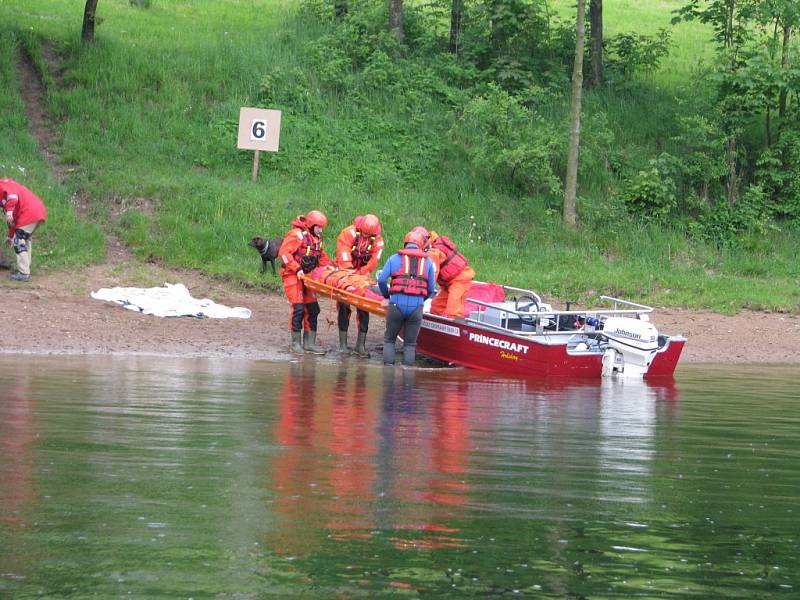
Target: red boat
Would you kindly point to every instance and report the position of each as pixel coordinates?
(525, 337)
(511, 331)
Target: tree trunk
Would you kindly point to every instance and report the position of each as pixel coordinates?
(456, 11)
(596, 29)
(787, 36)
(730, 11)
(340, 9)
(768, 126)
(396, 19)
(571, 186)
(87, 34)
(733, 172)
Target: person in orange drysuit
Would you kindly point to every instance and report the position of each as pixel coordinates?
(300, 253)
(358, 247)
(453, 274)
(23, 212)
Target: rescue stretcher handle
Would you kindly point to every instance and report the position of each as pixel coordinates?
(372, 306)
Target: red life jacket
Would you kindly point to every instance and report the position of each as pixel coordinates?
(363, 247)
(411, 279)
(308, 253)
(454, 262)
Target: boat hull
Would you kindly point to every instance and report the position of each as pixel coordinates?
(546, 356)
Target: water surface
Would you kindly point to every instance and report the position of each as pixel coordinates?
(145, 477)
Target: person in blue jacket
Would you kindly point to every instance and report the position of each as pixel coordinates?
(407, 279)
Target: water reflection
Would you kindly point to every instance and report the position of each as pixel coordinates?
(18, 495)
(221, 478)
(626, 432)
(18, 435)
(352, 447)
(422, 461)
(364, 453)
(402, 453)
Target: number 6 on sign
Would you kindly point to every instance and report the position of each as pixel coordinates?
(258, 131)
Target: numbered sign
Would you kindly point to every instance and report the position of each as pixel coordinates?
(259, 129)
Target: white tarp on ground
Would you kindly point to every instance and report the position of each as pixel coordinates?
(172, 300)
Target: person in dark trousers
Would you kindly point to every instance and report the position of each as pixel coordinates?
(358, 248)
(300, 253)
(407, 279)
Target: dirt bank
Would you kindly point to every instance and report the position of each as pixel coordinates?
(54, 314)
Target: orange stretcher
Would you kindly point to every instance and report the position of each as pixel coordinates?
(324, 282)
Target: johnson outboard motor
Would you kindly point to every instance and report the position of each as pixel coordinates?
(632, 345)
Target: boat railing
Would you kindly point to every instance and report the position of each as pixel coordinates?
(550, 322)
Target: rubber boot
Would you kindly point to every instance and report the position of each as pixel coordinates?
(388, 353)
(297, 344)
(361, 347)
(409, 355)
(343, 347)
(310, 343)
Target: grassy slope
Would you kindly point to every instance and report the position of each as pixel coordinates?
(65, 240)
(149, 111)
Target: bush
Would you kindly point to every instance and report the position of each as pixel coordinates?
(650, 194)
(631, 53)
(503, 137)
(724, 223)
(779, 174)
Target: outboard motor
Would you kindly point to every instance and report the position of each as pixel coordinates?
(632, 345)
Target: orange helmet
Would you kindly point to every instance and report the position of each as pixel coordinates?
(316, 217)
(414, 237)
(369, 225)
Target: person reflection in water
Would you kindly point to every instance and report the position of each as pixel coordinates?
(293, 469)
(420, 466)
(18, 435)
(324, 474)
(351, 444)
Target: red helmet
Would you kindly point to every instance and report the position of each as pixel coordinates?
(414, 237)
(369, 225)
(316, 217)
(422, 232)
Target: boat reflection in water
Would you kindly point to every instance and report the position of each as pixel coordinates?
(404, 456)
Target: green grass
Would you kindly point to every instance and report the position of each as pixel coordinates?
(64, 240)
(147, 115)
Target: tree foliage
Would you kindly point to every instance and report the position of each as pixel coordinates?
(501, 66)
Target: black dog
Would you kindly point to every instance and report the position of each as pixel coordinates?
(268, 249)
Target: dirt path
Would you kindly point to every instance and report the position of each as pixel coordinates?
(54, 314)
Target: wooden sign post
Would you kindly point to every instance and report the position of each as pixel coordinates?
(259, 129)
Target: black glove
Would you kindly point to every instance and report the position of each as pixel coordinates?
(309, 263)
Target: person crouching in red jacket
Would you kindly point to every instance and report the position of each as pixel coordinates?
(24, 212)
(300, 253)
